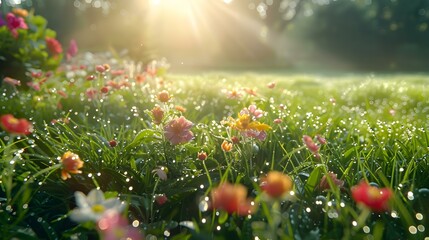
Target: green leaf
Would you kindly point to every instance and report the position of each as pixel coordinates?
(223, 217)
(145, 136)
(313, 179)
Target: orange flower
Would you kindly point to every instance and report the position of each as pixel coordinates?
(276, 184)
(180, 108)
(20, 12)
(226, 146)
(71, 164)
(15, 126)
(231, 198)
(372, 197)
(163, 96)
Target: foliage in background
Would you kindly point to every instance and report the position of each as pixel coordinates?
(26, 44)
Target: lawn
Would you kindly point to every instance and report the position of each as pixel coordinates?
(123, 149)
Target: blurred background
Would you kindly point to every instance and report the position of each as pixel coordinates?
(375, 35)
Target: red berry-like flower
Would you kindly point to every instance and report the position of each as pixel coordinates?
(202, 155)
(15, 126)
(161, 199)
(163, 96)
(372, 197)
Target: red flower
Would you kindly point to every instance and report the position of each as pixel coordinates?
(54, 46)
(71, 164)
(276, 184)
(15, 126)
(231, 198)
(177, 131)
(202, 155)
(374, 198)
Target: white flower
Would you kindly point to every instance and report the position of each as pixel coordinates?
(94, 206)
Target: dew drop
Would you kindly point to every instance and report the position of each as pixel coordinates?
(412, 229)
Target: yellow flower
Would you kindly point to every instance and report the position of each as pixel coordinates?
(244, 122)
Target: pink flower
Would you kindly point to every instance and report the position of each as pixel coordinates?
(12, 81)
(72, 51)
(324, 182)
(253, 111)
(177, 131)
(313, 147)
(14, 23)
(114, 226)
(54, 46)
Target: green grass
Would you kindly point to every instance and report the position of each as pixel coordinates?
(376, 128)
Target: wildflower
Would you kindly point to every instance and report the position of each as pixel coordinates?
(202, 155)
(180, 108)
(16, 126)
(250, 91)
(113, 226)
(90, 77)
(253, 111)
(260, 135)
(14, 23)
(72, 50)
(163, 96)
(94, 206)
(91, 93)
(161, 199)
(313, 147)
(161, 172)
(231, 198)
(177, 131)
(235, 140)
(244, 122)
(62, 94)
(234, 94)
(106, 67)
(276, 184)
(104, 90)
(226, 146)
(34, 85)
(372, 197)
(277, 121)
(12, 81)
(117, 72)
(140, 78)
(54, 46)
(100, 68)
(71, 163)
(271, 85)
(333, 101)
(324, 184)
(321, 139)
(20, 12)
(157, 115)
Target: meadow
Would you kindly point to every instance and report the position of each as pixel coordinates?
(105, 148)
